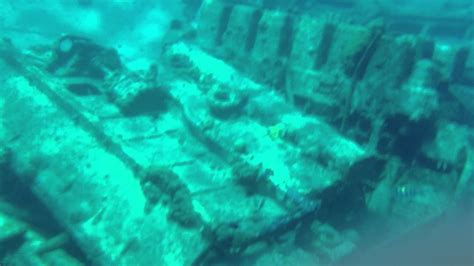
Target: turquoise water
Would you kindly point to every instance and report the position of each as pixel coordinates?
(234, 132)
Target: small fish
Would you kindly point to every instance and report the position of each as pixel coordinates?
(406, 192)
(410, 192)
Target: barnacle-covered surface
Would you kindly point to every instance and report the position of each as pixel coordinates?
(236, 133)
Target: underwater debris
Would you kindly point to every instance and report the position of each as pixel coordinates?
(253, 178)
(448, 150)
(357, 66)
(286, 152)
(75, 56)
(348, 194)
(82, 64)
(224, 102)
(88, 68)
(182, 65)
(232, 239)
(135, 95)
(380, 199)
(161, 185)
(233, 242)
